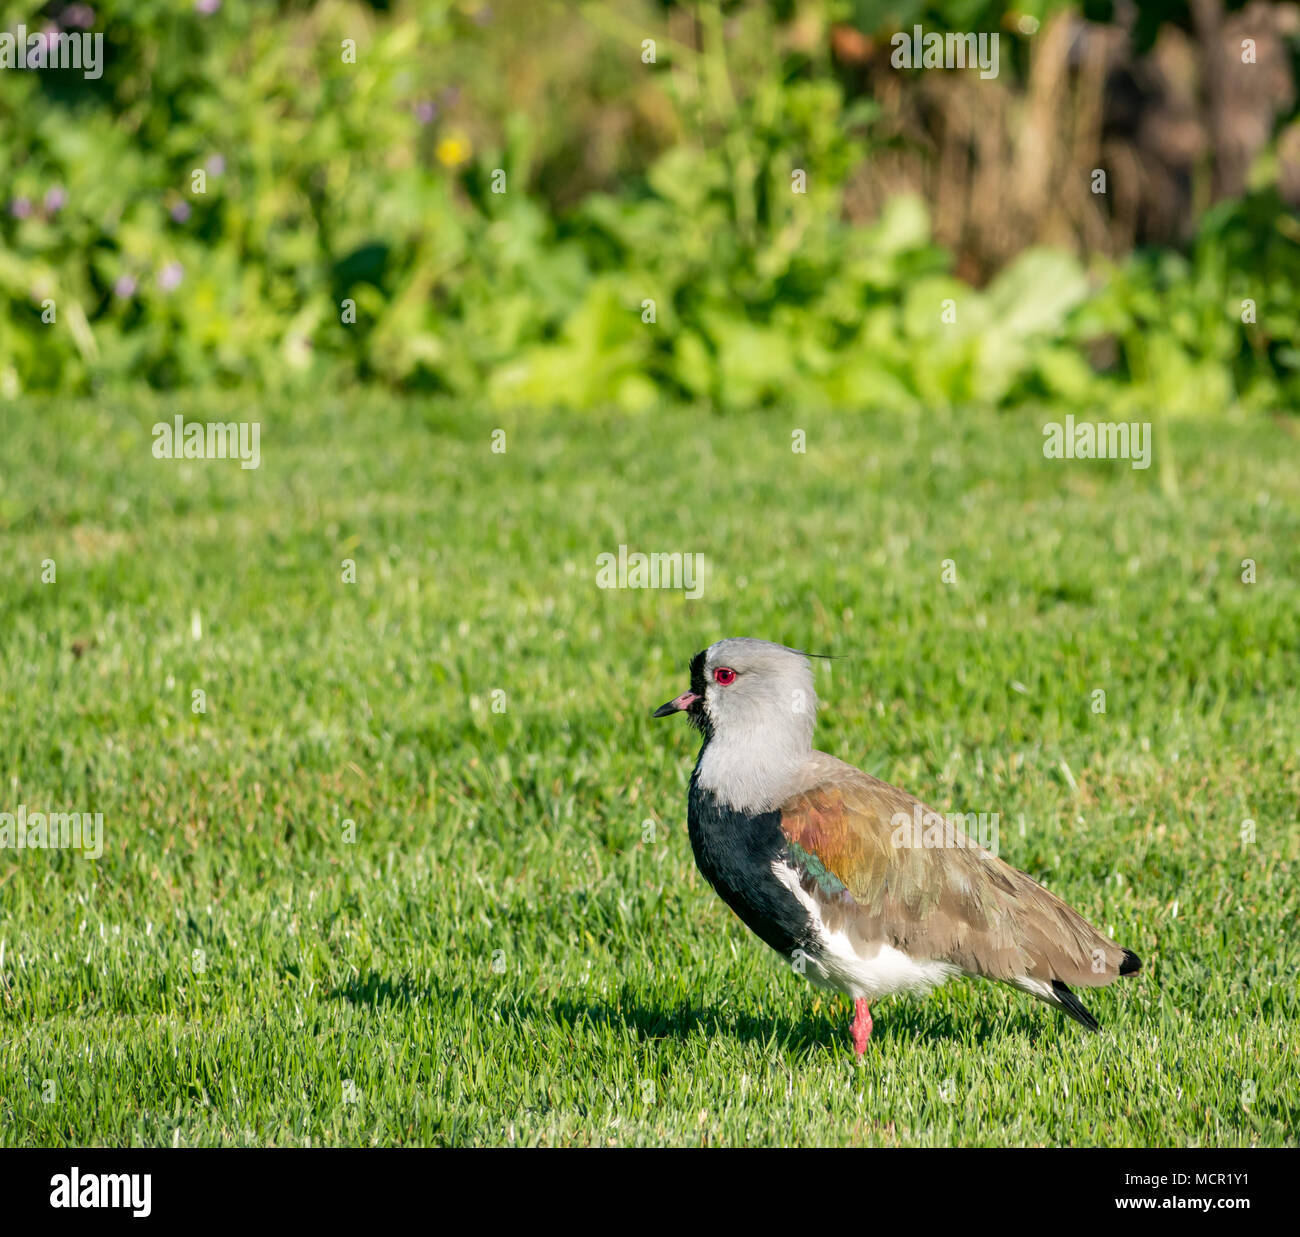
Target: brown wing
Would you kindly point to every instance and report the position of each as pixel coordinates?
(952, 901)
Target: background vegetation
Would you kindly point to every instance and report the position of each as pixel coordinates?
(331, 184)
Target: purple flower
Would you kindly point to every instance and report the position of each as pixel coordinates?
(20, 208)
(78, 17)
(124, 288)
(207, 7)
(169, 278)
(217, 164)
(425, 111)
(180, 212)
(55, 199)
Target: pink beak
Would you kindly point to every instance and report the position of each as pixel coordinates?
(679, 705)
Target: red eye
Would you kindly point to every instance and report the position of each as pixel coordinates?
(724, 675)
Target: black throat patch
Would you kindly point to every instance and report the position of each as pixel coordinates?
(735, 852)
(696, 714)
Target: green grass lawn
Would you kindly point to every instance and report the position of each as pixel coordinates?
(507, 952)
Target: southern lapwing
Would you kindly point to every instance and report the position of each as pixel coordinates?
(825, 864)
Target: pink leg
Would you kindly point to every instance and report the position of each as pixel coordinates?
(861, 1025)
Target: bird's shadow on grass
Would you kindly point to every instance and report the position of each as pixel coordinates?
(811, 1031)
(818, 1031)
(376, 990)
(678, 1022)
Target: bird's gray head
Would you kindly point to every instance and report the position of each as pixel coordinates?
(755, 704)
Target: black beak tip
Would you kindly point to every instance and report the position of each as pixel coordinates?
(665, 710)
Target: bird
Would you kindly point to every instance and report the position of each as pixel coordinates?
(862, 887)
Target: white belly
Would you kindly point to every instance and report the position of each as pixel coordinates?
(859, 968)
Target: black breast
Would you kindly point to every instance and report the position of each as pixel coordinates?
(735, 851)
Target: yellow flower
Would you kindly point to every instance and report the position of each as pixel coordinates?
(453, 150)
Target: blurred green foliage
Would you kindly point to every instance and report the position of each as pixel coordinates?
(393, 217)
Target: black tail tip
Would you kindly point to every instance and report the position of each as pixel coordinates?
(1073, 1006)
(1131, 965)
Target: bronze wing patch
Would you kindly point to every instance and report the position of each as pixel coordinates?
(855, 835)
